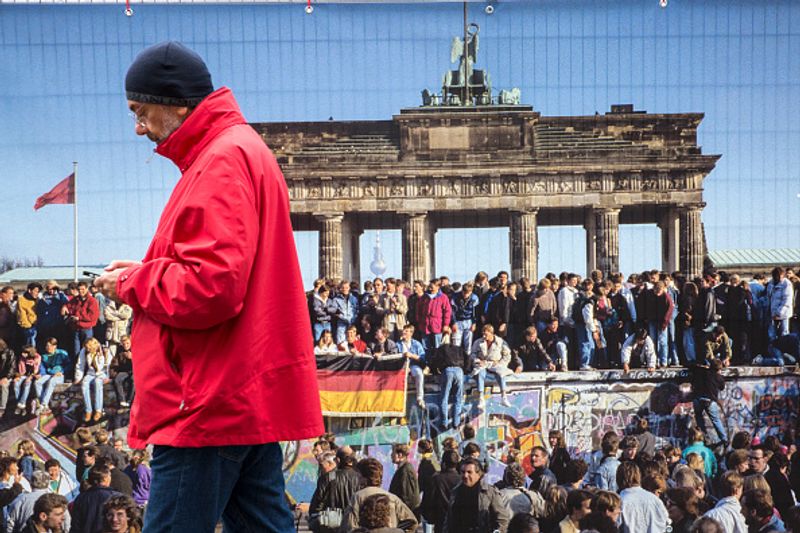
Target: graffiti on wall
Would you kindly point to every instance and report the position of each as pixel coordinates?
(760, 401)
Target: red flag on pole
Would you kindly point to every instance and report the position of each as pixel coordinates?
(63, 193)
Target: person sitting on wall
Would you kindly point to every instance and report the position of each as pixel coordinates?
(28, 372)
(556, 343)
(414, 351)
(54, 365)
(491, 354)
(718, 346)
(638, 348)
(352, 344)
(325, 346)
(382, 345)
(783, 350)
(91, 372)
(533, 354)
(121, 371)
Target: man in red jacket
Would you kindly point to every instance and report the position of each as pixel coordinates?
(223, 363)
(82, 312)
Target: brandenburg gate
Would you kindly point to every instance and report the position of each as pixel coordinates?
(494, 162)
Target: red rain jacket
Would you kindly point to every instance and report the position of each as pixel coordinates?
(222, 351)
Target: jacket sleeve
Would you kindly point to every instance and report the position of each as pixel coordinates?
(92, 313)
(665, 320)
(202, 282)
(502, 512)
(81, 365)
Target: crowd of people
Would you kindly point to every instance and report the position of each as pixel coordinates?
(109, 495)
(651, 320)
(629, 484)
(49, 337)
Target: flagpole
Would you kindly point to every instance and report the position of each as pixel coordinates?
(75, 219)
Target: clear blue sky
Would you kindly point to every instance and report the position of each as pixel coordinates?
(61, 99)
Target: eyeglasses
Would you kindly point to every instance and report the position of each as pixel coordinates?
(138, 118)
(754, 458)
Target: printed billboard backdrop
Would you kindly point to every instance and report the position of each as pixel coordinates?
(762, 401)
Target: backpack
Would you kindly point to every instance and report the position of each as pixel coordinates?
(577, 308)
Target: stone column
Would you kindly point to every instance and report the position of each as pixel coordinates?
(670, 229)
(417, 247)
(691, 240)
(351, 251)
(591, 248)
(607, 240)
(330, 245)
(524, 245)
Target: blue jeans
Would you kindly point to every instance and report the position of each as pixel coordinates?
(86, 383)
(193, 487)
(79, 337)
(430, 342)
(688, 346)
(464, 335)
(22, 388)
(778, 328)
(482, 374)
(48, 383)
(672, 343)
(585, 345)
(452, 379)
(29, 336)
(341, 333)
(419, 380)
(705, 405)
(661, 340)
(319, 327)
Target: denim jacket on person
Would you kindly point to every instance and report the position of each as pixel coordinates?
(345, 309)
(464, 310)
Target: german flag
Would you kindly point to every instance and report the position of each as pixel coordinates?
(362, 386)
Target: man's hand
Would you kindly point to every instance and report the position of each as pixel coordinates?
(518, 370)
(626, 368)
(107, 282)
(551, 367)
(446, 330)
(651, 369)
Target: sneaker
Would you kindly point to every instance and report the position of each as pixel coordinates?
(87, 417)
(97, 416)
(563, 368)
(504, 401)
(757, 361)
(586, 368)
(126, 404)
(20, 409)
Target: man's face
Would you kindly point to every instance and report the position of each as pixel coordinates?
(398, 458)
(118, 520)
(488, 336)
(418, 289)
(572, 282)
(379, 336)
(83, 291)
(378, 285)
(503, 278)
(531, 337)
(470, 475)
(431, 288)
(35, 292)
(50, 348)
(629, 453)
(757, 460)
(585, 509)
(157, 121)
(552, 327)
(126, 344)
(7, 296)
(351, 336)
(344, 289)
(54, 472)
(55, 519)
(538, 459)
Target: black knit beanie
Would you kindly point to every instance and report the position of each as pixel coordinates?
(169, 74)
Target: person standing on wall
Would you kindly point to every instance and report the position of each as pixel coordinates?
(216, 390)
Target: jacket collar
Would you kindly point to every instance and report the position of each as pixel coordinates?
(215, 114)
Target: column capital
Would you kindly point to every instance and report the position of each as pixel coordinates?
(328, 216)
(524, 210)
(413, 214)
(607, 210)
(690, 207)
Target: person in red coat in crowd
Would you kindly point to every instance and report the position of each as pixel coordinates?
(433, 316)
(216, 390)
(82, 313)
